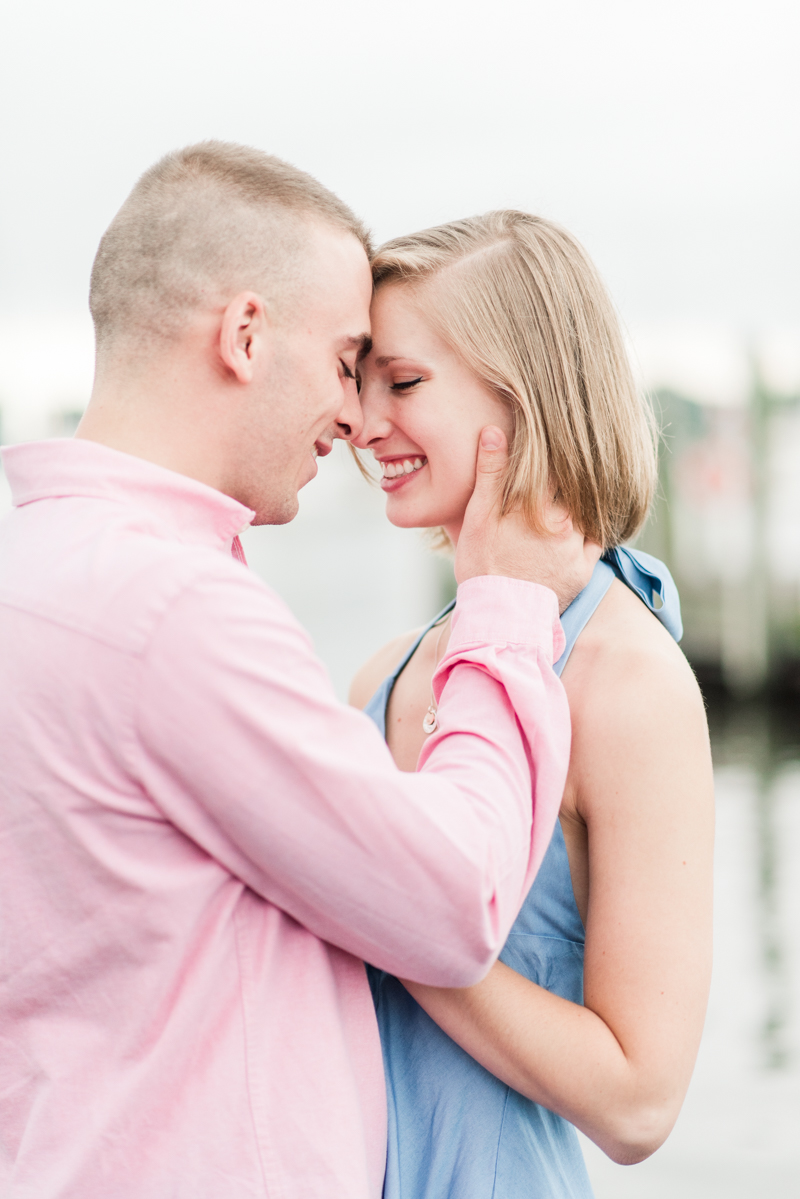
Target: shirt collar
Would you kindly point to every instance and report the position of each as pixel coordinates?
(192, 511)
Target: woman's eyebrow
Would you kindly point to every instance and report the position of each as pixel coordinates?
(386, 359)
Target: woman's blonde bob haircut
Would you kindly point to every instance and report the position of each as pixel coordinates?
(520, 302)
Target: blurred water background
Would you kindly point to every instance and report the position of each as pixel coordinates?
(665, 137)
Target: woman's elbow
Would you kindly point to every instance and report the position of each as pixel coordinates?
(633, 1136)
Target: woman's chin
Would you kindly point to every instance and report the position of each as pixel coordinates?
(403, 520)
(411, 516)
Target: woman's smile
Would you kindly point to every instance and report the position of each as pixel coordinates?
(396, 472)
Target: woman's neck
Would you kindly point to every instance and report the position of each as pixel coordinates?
(453, 531)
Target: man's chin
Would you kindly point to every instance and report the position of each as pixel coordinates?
(278, 513)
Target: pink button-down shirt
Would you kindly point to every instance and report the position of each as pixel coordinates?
(199, 844)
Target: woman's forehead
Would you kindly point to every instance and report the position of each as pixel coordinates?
(401, 325)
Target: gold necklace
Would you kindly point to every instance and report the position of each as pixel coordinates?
(430, 721)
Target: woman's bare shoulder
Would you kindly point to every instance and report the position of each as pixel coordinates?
(625, 654)
(376, 668)
(638, 717)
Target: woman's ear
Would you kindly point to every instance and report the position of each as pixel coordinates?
(243, 335)
(554, 514)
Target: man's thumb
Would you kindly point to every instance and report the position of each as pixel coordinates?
(475, 550)
(492, 454)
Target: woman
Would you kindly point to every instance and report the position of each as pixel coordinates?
(593, 1016)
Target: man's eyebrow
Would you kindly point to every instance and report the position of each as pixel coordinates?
(361, 342)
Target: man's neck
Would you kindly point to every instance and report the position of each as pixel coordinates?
(151, 420)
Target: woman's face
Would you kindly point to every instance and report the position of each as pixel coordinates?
(423, 413)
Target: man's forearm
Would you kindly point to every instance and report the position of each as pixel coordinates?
(245, 748)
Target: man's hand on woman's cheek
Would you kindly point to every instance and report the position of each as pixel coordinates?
(492, 544)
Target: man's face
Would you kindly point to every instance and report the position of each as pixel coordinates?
(304, 394)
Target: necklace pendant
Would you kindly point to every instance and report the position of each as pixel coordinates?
(430, 724)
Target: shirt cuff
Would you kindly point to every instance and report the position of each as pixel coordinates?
(495, 610)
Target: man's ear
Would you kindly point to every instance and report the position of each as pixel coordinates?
(243, 334)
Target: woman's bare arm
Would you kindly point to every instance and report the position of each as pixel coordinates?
(619, 1066)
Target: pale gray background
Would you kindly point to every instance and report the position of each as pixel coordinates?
(665, 135)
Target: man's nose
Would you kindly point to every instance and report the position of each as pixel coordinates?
(350, 421)
(373, 423)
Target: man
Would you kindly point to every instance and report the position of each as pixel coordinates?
(198, 844)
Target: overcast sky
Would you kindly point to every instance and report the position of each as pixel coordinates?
(666, 135)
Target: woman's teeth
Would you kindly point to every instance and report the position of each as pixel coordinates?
(407, 466)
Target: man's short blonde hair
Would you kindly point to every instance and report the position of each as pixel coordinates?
(519, 300)
(205, 222)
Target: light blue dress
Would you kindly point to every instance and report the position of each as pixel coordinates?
(456, 1131)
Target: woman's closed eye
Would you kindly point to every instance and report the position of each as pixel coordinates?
(405, 384)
